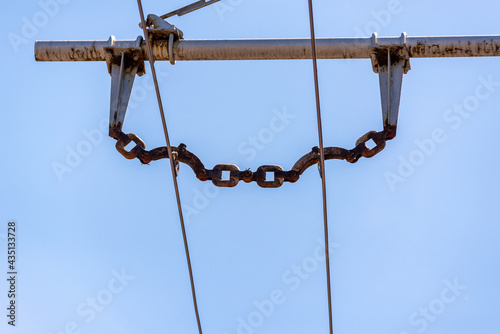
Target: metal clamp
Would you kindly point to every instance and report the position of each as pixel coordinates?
(124, 62)
(159, 29)
(390, 62)
(171, 56)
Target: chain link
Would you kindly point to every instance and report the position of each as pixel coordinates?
(181, 154)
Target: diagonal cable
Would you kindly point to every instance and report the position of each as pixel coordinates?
(172, 166)
(322, 163)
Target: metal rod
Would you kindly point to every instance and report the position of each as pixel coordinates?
(189, 8)
(264, 49)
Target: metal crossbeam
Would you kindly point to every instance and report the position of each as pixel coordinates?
(264, 49)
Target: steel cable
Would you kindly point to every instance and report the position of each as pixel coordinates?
(322, 163)
(172, 165)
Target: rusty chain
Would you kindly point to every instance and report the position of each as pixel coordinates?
(181, 154)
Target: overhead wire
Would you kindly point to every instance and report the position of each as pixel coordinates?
(322, 163)
(172, 165)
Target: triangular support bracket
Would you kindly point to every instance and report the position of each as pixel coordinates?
(390, 61)
(124, 61)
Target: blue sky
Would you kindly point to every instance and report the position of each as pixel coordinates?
(100, 246)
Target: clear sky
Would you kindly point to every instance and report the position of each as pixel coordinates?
(414, 230)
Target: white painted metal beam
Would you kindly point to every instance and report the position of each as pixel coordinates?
(265, 49)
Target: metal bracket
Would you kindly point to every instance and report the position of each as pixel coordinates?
(390, 62)
(124, 62)
(162, 30)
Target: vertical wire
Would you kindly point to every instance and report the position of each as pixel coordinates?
(322, 164)
(172, 166)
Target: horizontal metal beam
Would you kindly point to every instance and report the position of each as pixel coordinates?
(263, 49)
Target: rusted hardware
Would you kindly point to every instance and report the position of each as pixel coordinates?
(125, 61)
(181, 154)
(390, 62)
(139, 150)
